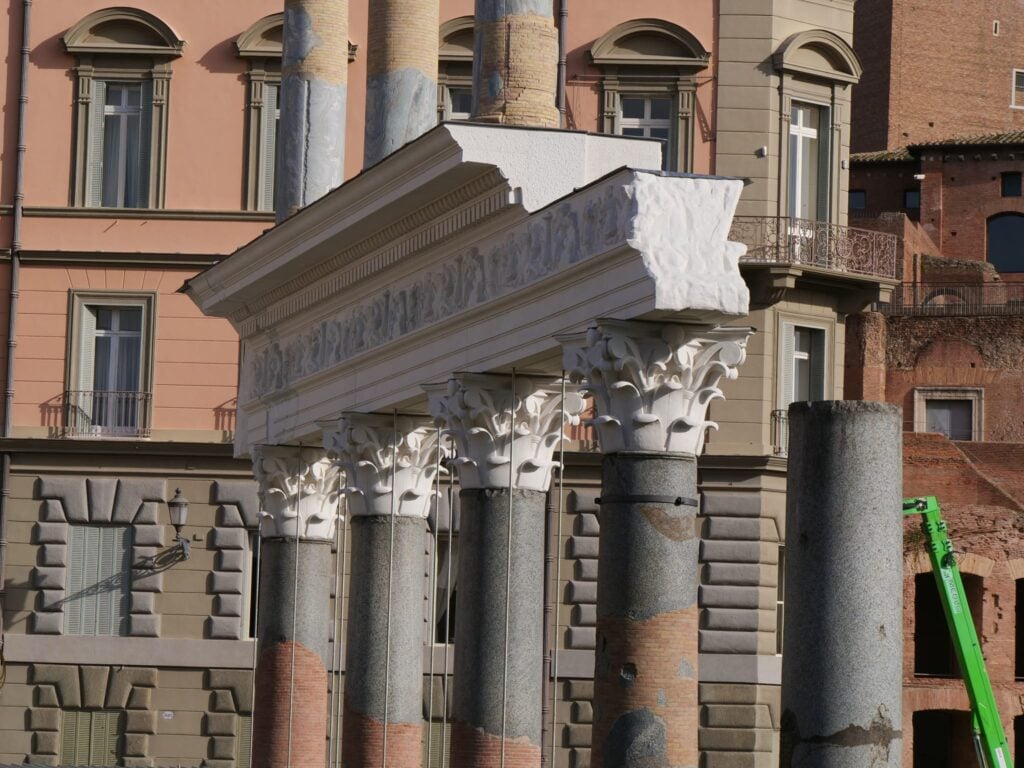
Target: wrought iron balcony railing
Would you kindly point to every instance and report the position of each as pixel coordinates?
(956, 299)
(105, 413)
(780, 433)
(786, 240)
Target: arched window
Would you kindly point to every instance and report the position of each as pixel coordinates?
(649, 70)
(123, 67)
(1005, 242)
(455, 69)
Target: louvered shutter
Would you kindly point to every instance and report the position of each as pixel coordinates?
(80, 409)
(145, 145)
(243, 742)
(76, 581)
(437, 744)
(69, 738)
(268, 147)
(786, 364)
(94, 150)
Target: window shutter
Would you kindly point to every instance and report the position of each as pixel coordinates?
(818, 364)
(824, 162)
(439, 734)
(145, 144)
(76, 581)
(268, 147)
(94, 151)
(80, 408)
(69, 738)
(786, 363)
(243, 758)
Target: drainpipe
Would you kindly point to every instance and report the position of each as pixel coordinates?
(12, 320)
(563, 22)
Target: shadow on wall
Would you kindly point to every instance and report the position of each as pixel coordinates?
(224, 419)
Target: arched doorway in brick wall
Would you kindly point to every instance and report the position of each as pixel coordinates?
(1005, 241)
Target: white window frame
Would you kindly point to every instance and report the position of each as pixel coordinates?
(787, 326)
(823, 135)
(1016, 94)
(647, 123)
(974, 394)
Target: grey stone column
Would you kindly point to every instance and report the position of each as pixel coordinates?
(505, 430)
(390, 463)
(651, 384)
(842, 671)
(314, 88)
(401, 80)
(299, 496)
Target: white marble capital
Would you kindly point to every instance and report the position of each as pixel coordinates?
(390, 462)
(652, 382)
(505, 440)
(298, 490)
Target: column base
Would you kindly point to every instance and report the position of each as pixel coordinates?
(475, 748)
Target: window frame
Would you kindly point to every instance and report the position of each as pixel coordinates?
(100, 59)
(787, 326)
(1012, 177)
(77, 302)
(454, 65)
(975, 394)
(1015, 91)
(826, 170)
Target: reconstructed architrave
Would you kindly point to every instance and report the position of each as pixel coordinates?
(505, 441)
(652, 382)
(381, 455)
(298, 490)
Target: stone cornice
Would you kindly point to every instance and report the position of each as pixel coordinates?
(505, 441)
(390, 462)
(652, 382)
(298, 490)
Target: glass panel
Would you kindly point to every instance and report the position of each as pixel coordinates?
(858, 199)
(661, 109)
(802, 340)
(809, 178)
(111, 159)
(1011, 185)
(134, 93)
(801, 379)
(130, 319)
(794, 169)
(104, 318)
(1018, 79)
(132, 185)
(115, 94)
(102, 379)
(633, 132)
(633, 108)
(911, 199)
(659, 133)
(462, 103)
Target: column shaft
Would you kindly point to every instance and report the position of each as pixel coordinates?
(379, 643)
(401, 80)
(290, 713)
(483, 625)
(515, 66)
(314, 86)
(842, 654)
(645, 676)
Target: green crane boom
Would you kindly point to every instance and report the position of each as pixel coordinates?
(989, 738)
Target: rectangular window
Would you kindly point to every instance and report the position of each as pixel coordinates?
(119, 139)
(99, 580)
(803, 364)
(648, 117)
(459, 103)
(1017, 95)
(911, 199)
(809, 162)
(270, 120)
(108, 393)
(858, 199)
(952, 418)
(1009, 184)
(91, 737)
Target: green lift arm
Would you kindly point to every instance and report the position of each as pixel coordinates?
(989, 739)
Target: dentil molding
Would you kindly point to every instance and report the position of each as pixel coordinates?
(505, 439)
(390, 462)
(652, 382)
(299, 489)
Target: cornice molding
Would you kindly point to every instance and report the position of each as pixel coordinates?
(68, 212)
(505, 440)
(390, 462)
(652, 382)
(298, 489)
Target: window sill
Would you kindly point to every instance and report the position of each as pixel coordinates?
(73, 212)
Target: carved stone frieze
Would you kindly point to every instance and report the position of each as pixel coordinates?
(390, 462)
(505, 439)
(299, 490)
(652, 382)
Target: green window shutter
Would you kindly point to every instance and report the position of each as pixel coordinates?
(243, 742)
(141, 195)
(268, 147)
(786, 363)
(76, 581)
(69, 738)
(94, 148)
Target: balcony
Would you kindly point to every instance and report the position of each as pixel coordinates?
(782, 240)
(104, 413)
(956, 299)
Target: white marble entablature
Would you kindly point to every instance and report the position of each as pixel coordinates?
(298, 490)
(505, 428)
(652, 382)
(381, 453)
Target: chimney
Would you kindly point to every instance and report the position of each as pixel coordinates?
(401, 79)
(314, 86)
(516, 63)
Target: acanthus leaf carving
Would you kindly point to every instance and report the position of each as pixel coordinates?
(298, 490)
(503, 438)
(382, 454)
(652, 382)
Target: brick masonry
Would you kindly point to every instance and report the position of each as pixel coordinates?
(363, 742)
(517, 66)
(289, 717)
(475, 748)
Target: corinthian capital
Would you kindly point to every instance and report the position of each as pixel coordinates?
(298, 490)
(503, 438)
(652, 382)
(382, 456)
